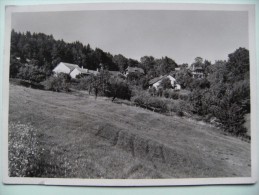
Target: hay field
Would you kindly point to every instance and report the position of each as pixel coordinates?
(80, 137)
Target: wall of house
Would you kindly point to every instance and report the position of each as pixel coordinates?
(74, 73)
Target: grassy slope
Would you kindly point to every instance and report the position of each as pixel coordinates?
(103, 139)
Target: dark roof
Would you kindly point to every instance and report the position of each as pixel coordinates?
(83, 71)
(135, 69)
(70, 66)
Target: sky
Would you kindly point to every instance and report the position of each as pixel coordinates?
(180, 35)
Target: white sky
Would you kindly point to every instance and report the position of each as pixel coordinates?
(180, 35)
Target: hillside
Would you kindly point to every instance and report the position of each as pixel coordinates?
(101, 139)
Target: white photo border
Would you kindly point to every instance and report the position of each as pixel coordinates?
(250, 8)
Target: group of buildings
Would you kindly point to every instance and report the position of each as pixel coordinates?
(74, 70)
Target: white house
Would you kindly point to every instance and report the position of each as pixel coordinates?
(78, 71)
(63, 67)
(157, 81)
(197, 71)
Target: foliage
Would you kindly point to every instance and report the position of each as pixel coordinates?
(152, 91)
(225, 93)
(143, 99)
(166, 65)
(26, 158)
(238, 65)
(31, 73)
(184, 78)
(166, 93)
(166, 83)
(174, 95)
(118, 88)
(14, 67)
(48, 52)
(121, 62)
(59, 82)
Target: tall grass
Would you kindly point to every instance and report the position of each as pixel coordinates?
(28, 159)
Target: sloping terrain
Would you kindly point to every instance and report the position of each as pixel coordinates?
(101, 139)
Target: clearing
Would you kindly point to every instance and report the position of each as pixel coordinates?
(101, 139)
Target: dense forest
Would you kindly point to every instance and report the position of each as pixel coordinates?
(223, 94)
(44, 52)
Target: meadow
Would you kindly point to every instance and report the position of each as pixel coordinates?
(74, 135)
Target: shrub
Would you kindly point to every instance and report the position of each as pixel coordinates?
(166, 93)
(174, 95)
(166, 84)
(84, 83)
(31, 73)
(144, 100)
(183, 96)
(118, 88)
(26, 158)
(59, 82)
(159, 92)
(152, 91)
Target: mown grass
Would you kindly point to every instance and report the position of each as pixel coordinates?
(87, 138)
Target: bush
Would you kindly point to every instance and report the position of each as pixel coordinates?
(59, 82)
(144, 100)
(180, 107)
(152, 91)
(166, 93)
(159, 92)
(174, 95)
(118, 88)
(183, 96)
(166, 84)
(31, 73)
(26, 158)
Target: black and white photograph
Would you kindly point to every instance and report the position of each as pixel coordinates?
(133, 94)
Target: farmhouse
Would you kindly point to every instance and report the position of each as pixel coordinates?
(133, 69)
(78, 71)
(156, 82)
(197, 72)
(63, 67)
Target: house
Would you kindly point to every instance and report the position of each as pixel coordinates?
(63, 67)
(73, 70)
(78, 71)
(197, 72)
(134, 69)
(156, 82)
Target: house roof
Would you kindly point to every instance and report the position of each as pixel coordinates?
(83, 71)
(70, 66)
(135, 69)
(154, 80)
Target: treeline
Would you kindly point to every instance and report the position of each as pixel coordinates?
(44, 52)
